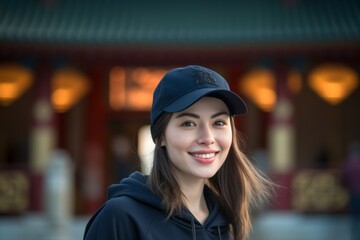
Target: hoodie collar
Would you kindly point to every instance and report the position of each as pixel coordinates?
(137, 188)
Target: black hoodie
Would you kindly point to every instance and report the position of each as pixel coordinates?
(133, 211)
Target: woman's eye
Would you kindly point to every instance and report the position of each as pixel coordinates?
(220, 123)
(188, 124)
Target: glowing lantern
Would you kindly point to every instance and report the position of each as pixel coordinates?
(68, 87)
(259, 86)
(333, 82)
(14, 81)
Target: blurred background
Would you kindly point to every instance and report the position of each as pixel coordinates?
(76, 83)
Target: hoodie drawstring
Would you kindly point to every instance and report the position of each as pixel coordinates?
(193, 229)
(219, 232)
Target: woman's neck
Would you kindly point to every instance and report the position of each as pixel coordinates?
(195, 200)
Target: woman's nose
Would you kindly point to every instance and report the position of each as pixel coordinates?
(206, 136)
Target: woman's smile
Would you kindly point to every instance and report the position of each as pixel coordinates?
(204, 157)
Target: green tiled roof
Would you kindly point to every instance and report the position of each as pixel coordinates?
(127, 22)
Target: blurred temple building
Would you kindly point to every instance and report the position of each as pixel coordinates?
(75, 75)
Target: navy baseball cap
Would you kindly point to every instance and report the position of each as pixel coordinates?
(182, 87)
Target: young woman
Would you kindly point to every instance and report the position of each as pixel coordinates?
(201, 185)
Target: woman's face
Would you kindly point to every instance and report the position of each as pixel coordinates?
(198, 139)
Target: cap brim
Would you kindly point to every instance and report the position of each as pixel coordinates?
(233, 101)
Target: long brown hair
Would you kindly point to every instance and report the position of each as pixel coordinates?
(237, 184)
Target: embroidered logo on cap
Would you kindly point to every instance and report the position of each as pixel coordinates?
(203, 76)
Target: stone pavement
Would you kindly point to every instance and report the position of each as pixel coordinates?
(35, 227)
(268, 226)
(297, 226)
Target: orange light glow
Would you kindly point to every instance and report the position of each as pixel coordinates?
(62, 96)
(294, 81)
(68, 86)
(139, 100)
(259, 86)
(333, 82)
(132, 89)
(117, 88)
(265, 98)
(148, 78)
(14, 81)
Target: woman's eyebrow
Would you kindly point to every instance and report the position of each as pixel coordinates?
(193, 115)
(185, 114)
(219, 114)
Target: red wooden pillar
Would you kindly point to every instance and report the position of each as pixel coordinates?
(281, 142)
(93, 184)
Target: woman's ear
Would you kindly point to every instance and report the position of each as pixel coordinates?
(162, 142)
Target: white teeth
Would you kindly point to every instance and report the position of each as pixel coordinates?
(204, 155)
